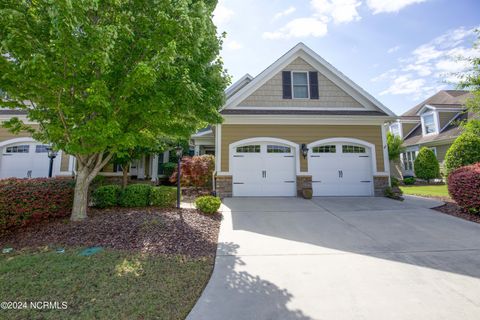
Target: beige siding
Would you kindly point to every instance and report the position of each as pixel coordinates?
(445, 117)
(442, 151)
(407, 127)
(301, 134)
(7, 135)
(330, 95)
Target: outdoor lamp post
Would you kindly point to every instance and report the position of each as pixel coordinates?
(179, 152)
(51, 155)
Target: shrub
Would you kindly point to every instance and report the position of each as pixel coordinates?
(464, 151)
(464, 186)
(135, 195)
(106, 196)
(26, 201)
(169, 168)
(196, 171)
(164, 196)
(409, 181)
(426, 165)
(208, 204)
(395, 182)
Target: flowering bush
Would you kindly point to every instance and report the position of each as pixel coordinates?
(196, 171)
(25, 201)
(464, 186)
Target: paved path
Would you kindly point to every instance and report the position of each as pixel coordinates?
(342, 258)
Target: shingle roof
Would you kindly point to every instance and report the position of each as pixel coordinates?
(444, 98)
(302, 112)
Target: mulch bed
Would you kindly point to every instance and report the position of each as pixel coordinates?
(155, 231)
(453, 209)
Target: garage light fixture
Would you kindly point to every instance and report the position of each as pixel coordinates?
(304, 150)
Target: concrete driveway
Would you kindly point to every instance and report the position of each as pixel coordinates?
(342, 258)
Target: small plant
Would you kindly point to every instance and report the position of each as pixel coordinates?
(307, 193)
(426, 165)
(393, 193)
(464, 186)
(208, 204)
(464, 151)
(409, 181)
(106, 196)
(395, 182)
(136, 195)
(163, 196)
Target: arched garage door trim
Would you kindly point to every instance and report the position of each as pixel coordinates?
(266, 139)
(16, 140)
(369, 145)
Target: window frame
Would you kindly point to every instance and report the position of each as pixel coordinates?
(279, 149)
(326, 148)
(293, 85)
(398, 125)
(249, 145)
(17, 146)
(355, 149)
(434, 116)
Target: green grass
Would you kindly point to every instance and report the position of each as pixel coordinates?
(426, 191)
(108, 285)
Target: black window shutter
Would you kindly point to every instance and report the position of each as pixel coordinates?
(287, 84)
(313, 75)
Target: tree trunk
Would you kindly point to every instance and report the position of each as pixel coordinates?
(125, 175)
(80, 200)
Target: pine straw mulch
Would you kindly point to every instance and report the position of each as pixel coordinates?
(155, 231)
(453, 209)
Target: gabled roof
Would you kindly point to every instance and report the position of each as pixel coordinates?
(443, 98)
(311, 57)
(238, 85)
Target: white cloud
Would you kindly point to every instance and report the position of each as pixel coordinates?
(432, 64)
(284, 13)
(379, 6)
(299, 28)
(393, 49)
(234, 45)
(222, 14)
(338, 10)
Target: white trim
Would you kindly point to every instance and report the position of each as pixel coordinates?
(17, 140)
(218, 148)
(303, 119)
(201, 134)
(321, 65)
(435, 122)
(308, 84)
(237, 83)
(446, 109)
(386, 160)
(294, 145)
(298, 108)
(371, 146)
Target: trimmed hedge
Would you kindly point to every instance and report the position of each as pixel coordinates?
(409, 181)
(106, 196)
(464, 186)
(426, 165)
(163, 196)
(136, 195)
(26, 201)
(208, 204)
(464, 151)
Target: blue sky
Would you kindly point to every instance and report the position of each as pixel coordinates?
(401, 51)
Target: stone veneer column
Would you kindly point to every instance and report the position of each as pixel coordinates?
(380, 183)
(223, 186)
(303, 182)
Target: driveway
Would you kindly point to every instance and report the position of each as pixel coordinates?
(342, 258)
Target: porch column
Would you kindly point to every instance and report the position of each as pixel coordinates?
(197, 150)
(154, 171)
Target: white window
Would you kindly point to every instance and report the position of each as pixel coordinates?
(300, 85)
(408, 160)
(18, 149)
(41, 148)
(434, 149)
(278, 149)
(249, 149)
(352, 149)
(395, 129)
(429, 124)
(325, 149)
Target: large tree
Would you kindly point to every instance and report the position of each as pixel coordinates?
(104, 76)
(470, 79)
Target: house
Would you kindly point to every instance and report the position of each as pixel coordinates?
(434, 123)
(299, 124)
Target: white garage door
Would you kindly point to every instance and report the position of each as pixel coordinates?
(263, 169)
(341, 169)
(24, 160)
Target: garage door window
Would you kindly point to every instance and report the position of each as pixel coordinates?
(324, 149)
(249, 149)
(278, 149)
(18, 149)
(41, 148)
(352, 149)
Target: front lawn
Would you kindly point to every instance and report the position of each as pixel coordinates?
(154, 264)
(112, 284)
(426, 191)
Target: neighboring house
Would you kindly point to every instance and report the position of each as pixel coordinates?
(434, 123)
(301, 124)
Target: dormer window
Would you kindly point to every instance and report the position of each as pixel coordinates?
(429, 123)
(395, 129)
(300, 85)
